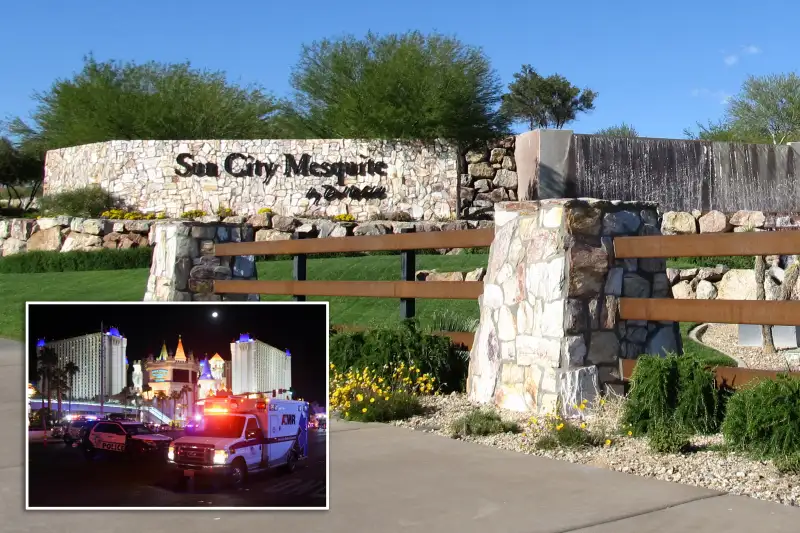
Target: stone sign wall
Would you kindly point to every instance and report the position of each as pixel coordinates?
(549, 323)
(292, 177)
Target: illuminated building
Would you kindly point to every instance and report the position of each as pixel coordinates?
(214, 376)
(172, 373)
(258, 367)
(85, 352)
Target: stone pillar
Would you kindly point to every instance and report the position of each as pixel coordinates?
(183, 268)
(549, 327)
(545, 161)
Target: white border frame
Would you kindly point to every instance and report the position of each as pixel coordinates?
(199, 508)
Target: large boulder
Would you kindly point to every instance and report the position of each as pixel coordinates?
(748, 219)
(738, 284)
(48, 240)
(714, 222)
(81, 242)
(678, 223)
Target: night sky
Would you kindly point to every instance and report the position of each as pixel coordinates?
(301, 329)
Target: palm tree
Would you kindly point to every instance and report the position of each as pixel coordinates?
(59, 379)
(175, 396)
(71, 369)
(47, 363)
(160, 397)
(186, 390)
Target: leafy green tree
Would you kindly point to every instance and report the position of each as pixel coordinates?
(398, 86)
(766, 110)
(540, 102)
(622, 130)
(112, 100)
(21, 173)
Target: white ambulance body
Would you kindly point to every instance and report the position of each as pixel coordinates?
(238, 436)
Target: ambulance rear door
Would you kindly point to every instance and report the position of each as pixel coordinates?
(282, 432)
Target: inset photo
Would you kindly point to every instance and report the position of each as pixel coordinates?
(142, 405)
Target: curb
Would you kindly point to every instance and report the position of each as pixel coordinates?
(699, 330)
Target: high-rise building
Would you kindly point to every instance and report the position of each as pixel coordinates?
(258, 367)
(85, 352)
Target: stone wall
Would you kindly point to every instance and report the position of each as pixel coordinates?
(67, 234)
(490, 177)
(420, 179)
(549, 322)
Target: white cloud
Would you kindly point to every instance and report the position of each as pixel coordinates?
(731, 60)
(751, 50)
(720, 96)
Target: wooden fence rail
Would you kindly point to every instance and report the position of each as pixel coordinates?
(463, 339)
(407, 289)
(725, 376)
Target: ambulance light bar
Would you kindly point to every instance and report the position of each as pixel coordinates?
(216, 410)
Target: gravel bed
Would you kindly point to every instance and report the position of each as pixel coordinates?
(725, 472)
(725, 338)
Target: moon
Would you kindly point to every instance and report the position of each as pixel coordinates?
(214, 314)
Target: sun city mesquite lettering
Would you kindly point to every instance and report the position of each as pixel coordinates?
(240, 166)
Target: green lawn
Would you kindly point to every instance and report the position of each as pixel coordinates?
(129, 285)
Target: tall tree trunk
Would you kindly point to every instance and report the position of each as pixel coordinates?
(766, 330)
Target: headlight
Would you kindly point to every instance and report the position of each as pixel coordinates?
(171, 453)
(220, 457)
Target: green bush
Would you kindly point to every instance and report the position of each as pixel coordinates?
(788, 464)
(87, 202)
(406, 342)
(103, 259)
(763, 419)
(666, 438)
(566, 434)
(481, 422)
(400, 406)
(676, 391)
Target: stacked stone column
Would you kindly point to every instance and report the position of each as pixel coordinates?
(184, 267)
(550, 333)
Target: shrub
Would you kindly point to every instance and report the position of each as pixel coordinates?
(195, 213)
(481, 422)
(553, 431)
(265, 211)
(124, 214)
(367, 395)
(87, 202)
(663, 437)
(676, 390)
(788, 464)
(103, 259)
(763, 419)
(345, 217)
(405, 343)
(224, 212)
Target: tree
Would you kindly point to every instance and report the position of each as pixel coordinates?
(622, 130)
(175, 396)
(71, 369)
(766, 110)
(46, 366)
(113, 100)
(545, 102)
(398, 86)
(160, 397)
(19, 168)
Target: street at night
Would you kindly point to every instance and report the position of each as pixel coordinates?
(60, 476)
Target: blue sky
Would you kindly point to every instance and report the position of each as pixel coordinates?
(660, 66)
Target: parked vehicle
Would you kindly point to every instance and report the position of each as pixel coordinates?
(131, 438)
(240, 436)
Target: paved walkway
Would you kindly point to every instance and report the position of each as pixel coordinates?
(391, 480)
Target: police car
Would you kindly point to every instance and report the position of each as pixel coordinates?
(125, 437)
(240, 436)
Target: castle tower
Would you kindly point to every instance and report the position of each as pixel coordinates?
(180, 355)
(163, 356)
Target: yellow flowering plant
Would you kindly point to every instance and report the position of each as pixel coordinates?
(368, 395)
(591, 427)
(344, 217)
(265, 211)
(124, 214)
(195, 213)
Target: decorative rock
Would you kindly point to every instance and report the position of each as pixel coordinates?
(613, 285)
(506, 178)
(42, 223)
(95, 226)
(509, 163)
(712, 274)
(81, 242)
(603, 347)
(688, 273)
(584, 220)
(369, 229)
(683, 291)
(576, 386)
(673, 275)
(621, 223)
(714, 222)
(737, 284)
(706, 290)
(445, 276)
(13, 246)
(138, 226)
(588, 269)
(481, 170)
(475, 275)
(574, 351)
(271, 235)
(748, 219)
(497, 155)
(307, 231)
(678, 223)
(483, 185)
(286, 224)
(21, 228)
(261, 221)
(663, 342)
(5, 229)
(475, 156)
(45, 240)
(635, 286)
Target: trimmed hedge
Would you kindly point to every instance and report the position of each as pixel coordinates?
(103, 259)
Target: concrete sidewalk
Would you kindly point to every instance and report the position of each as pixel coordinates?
(390, 479)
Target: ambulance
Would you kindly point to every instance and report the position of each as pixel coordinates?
(237, 436)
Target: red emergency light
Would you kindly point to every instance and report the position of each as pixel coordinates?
(261, 406)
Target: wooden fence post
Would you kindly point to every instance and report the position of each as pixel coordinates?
(408, 269)
(299, 268)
